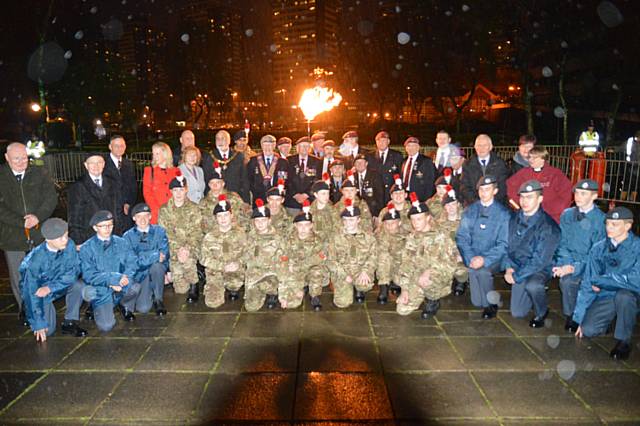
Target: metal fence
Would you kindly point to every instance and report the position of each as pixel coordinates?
(621, 178)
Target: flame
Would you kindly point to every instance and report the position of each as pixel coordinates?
(318, 100)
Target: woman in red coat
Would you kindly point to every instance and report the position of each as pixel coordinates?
(156, 179)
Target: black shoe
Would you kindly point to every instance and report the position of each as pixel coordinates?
(88, 313)
(22, 317)
(306, 290)
(458, 287)
(621, 351)
(490, 312)
(127, 315)
(160, 309)
(570, 325)
(233, 295)
(538, 322)
(272, 301)
(430, 308)
(72, 328)
(360, 296)
(395, 289)
(315, 303)
(383, 295)
(192, 296)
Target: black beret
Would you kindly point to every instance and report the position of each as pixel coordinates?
(530, 186)
(587, 185)
(620, 213)
(140, 208)
(100, 216)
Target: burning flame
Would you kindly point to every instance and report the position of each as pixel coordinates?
(318, 100)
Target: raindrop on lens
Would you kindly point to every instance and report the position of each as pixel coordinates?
(558, 112)
(403, 38)
(547, 72)
(553, 341)
(566, 369)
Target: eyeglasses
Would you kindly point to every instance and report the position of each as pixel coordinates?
(108, 225)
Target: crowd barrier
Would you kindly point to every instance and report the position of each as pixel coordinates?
(619, 179)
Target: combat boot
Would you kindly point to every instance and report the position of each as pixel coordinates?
(430, 308)
(395, 289)
(193, 295)
(538, 321)
(159, 308)
(570, 325)
(233, 295)
(359, 296)
(272, 301)
(88, 313)
(621, 351)
(315, 303)
(71, 327)
(126, 314)
(458, 287)
(490, 312)
(383, 295)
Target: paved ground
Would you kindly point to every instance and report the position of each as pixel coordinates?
(361, 365)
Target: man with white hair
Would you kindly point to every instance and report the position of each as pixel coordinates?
(27, 199)
(232, 164)
(485, 162)
(188, 139)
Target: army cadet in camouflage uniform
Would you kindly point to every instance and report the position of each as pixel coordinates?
(448, 223)
(241, 210)
(181, 218)
(426, 267)
(349, 192)
(280, 220)
(435, 202)
(356, 250)
(307, 264)
(218, 255)
(390, 238)
(400, 204)
(264, 258)
(324, 218)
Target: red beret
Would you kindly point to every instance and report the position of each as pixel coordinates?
(304, 139)
(317, 136)
(382, 134)
(411, 139)
(350, 134)
(283, 141)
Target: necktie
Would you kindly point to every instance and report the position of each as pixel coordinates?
(119, 164)
(224, 157)
(19, 178)
(268, 162)
(484, 164)
(97, 181)
(407, 172)
(360, 183)
(106, 244)
(302, 167)
(383, 157)
(580, 216)
(442, 162)
(58, 254)
(143, 237)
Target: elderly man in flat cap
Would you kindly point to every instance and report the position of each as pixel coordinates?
(49, 272)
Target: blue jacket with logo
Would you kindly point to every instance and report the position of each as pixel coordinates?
(484, 231)
(147, 248)
(578, 233)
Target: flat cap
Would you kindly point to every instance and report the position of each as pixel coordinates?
(53, 228)
(100, 216)
(530, 186)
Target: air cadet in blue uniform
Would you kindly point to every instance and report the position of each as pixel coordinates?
(151, 247)
(108, 266)
(580, 228)
(610, 288)
(482, 239)
(533, 239)
(49, 272)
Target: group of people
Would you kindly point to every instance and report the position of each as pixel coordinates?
(282, 227)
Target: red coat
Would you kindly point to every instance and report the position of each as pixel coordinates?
(556, 188)
(155, 188)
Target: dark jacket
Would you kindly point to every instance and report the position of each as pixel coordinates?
(234, 173)
(472, 172)
(257, 184)
(334, 190)
(610, 269)
(532, 243)
(372, 191)
(35, 195)
(299, 182)
(422, 178)
(40, 268)
(484, 231)
(518, 162)
(392, 166)
(86, 198)
(126, 184)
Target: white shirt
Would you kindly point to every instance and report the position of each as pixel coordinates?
(225, 154)
(383, 155)
(115, 159)
(98, 178)
(410, 160)
(443, 152)
(16, 174)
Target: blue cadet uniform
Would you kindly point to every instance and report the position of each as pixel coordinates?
(59, 270)
(532, 243)
(484, 231)
(579, 231)
(103, 263)
(614, 268)
(147, 246)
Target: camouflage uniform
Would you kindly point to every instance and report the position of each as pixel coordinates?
(281, 221)
(219, 249)
(357, 253)
(389, 251)
(183, 226)
(405, 222)
(263, 258)
(307, 265)
(449, 228)
(433, 251)
(435, 205)
(241, 211)
(366, 219)
(324, 221)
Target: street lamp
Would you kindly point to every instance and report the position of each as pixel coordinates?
(35, 107)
